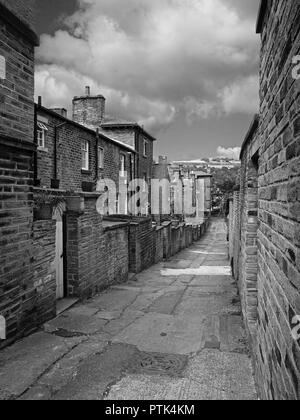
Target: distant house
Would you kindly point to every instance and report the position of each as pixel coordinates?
(74, 157)
(89, 110)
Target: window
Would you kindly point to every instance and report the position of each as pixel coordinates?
(145, 148)
(100, 158)
(122, 165)
(85, 149)
(41, 135)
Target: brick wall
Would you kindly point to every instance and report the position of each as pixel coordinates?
(16, 167)
(16, 90)
(15, 233)
(235, 234)
(23, 9)
(42, 303)
(278, 354)
(246, 262)
(126, 136)
(97, 256)
(135, 137)
(145, 163)
(150, 244)
(268, 249)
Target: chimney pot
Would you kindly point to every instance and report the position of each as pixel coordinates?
(40, 101)
(87, 90)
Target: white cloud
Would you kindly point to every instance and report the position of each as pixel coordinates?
(163, 56)
(230, 153)
(242, 96)
(58, 86)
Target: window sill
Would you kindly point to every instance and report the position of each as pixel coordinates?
(43, 149)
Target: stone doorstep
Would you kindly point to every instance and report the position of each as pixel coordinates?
(64, 304)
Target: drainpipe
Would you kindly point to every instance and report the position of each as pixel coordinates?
(35, 155)
(97, 157)
(56, 132)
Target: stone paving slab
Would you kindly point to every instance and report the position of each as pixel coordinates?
(77, 323)
(156, 332)
(127, 318)
(27, 360)
(64, 371)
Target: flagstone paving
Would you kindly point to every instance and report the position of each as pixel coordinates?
(173, 332)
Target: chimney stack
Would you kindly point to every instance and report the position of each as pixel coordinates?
(89, 110)
(163, 160)
(61, 111)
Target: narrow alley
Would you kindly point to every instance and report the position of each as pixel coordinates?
(174, 332)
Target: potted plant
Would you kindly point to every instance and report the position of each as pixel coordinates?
(45, 204)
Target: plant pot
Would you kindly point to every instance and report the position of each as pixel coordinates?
(55, 184)
(43, 213)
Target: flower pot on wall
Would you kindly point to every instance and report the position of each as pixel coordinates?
(45, 212)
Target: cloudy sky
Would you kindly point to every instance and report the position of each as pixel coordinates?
(185, 69)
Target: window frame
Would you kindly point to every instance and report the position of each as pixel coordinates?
(41, 140)
(122, 160)
(100, 157)
(85, 148)
(145, 148)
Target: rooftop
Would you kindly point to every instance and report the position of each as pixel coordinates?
(111, 122)
(90, 130)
